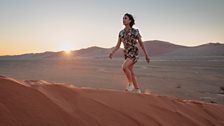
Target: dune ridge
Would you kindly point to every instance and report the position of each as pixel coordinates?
(38, 102)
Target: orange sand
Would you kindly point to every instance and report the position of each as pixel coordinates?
(40, 103)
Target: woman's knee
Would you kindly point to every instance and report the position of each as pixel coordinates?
(124, 67)
(131, 69)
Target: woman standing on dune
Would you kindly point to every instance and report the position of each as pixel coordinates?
(130, 36)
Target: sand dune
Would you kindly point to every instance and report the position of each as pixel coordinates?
(40, 103)
(153, 47)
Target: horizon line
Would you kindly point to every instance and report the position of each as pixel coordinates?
(110, 47)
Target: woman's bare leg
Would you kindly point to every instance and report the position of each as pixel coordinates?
(136, 85)
(126, 70)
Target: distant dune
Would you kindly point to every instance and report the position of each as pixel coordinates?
(41, 103)
(154, 48)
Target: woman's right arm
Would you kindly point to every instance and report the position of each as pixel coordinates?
(116, 47)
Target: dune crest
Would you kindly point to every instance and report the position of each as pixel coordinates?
(38, 102)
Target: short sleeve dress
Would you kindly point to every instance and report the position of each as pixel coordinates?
(129, 39)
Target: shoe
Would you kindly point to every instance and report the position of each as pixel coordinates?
(130, 88)
(138, 91)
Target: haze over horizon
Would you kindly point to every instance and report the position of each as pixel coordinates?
(45, 25)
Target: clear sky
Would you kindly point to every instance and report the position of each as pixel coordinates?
(52, 25)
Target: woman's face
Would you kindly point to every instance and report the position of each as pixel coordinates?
(126, 20)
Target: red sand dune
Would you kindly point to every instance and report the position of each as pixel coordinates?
(39, 103)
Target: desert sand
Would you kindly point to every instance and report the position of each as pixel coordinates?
(41, 103)
(196, 79)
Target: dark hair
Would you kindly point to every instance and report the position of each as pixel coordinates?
(130, 18)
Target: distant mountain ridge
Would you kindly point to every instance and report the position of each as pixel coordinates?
(153, 47)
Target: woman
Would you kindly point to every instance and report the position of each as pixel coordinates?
(130, 36)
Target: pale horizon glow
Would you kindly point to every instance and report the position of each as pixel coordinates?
(67, 52)
(44, 25)
(66, 46)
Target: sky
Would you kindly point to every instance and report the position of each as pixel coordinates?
(33, 26)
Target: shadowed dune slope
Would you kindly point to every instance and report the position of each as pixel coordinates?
(41, 103)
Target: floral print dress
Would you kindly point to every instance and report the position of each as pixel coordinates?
(129, 39)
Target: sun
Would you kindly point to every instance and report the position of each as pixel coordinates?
(67, 49)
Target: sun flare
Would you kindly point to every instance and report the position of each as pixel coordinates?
(67, 48)
(67, 51)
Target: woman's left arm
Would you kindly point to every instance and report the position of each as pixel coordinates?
(143, 48)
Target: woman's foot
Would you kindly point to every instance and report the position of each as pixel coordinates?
(130, 88)
(138, 90)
